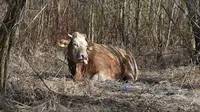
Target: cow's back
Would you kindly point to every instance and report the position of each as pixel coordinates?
(109, 60)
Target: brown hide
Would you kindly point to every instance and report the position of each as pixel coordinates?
(110, 62)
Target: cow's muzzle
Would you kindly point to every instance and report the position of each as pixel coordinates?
(83, 57)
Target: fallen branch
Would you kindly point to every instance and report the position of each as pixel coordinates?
(37, 74)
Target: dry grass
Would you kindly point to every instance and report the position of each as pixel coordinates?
(172, 89)
(98, 96)
(151, 93)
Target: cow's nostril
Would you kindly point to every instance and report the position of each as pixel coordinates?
(82, 56)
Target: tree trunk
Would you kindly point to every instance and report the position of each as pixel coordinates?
(193, 13)
(6, 30)
(122, 22)
(137, 20)
(160, 36)
(91, 22)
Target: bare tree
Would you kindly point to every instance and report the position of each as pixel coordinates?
(91, 21)
(122, 22)
(7, 28)
(193, 7)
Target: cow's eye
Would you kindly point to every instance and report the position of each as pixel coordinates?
(75, 44)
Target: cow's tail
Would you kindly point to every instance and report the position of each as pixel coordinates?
(136, 71)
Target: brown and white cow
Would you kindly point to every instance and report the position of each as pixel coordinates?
(98, 61)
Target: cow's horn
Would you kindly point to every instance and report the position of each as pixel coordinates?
(70, 35)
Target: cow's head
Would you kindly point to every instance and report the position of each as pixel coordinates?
(77, 48)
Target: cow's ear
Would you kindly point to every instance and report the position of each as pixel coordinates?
(62, 42)
(90, 48)
(85, 36)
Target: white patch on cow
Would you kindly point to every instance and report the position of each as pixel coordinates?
(98, 77)
(81, 41)
(101, 77)
(80, 49)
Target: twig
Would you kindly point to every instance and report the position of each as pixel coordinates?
(37, 74)
(66, 64)
(19, 103)
(36, 16)
(62, 61)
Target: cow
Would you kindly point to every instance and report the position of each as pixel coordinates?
(98, 61)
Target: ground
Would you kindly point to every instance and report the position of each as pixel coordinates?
(168, 90)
